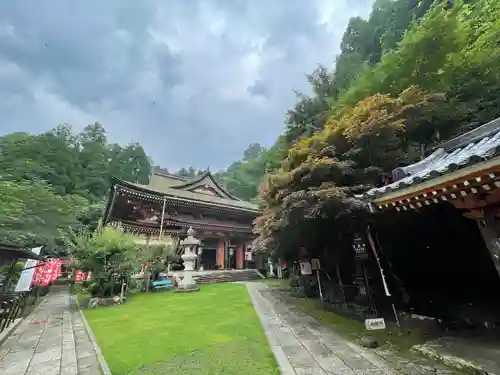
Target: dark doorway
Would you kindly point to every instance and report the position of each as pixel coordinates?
(209, 259)
(209, 254)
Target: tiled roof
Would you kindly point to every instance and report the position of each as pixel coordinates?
(478, 145)
(192, 196)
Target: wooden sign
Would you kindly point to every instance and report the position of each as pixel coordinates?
(359, 247)
(305, 268)
(315, 264)
(375, 324)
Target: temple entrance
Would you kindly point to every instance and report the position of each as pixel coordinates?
(209, 259)
(209, 254)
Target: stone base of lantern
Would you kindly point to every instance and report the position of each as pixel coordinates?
(187, 289)
(187, 284)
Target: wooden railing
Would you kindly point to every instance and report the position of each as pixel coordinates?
(11, 307)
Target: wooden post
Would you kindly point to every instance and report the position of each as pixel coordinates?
(341, 285)
(386, 288)
(319, 286)
(162, 217)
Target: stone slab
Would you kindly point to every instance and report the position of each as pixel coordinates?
(45, 343)
(305, 347)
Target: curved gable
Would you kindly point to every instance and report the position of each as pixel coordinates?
(207, 185)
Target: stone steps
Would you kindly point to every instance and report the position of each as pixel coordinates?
(227, 277)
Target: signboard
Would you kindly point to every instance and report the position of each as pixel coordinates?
(359, 247)
(248, 255)
(374, 324)
(315, 264)
(305, 268)
(24, 283)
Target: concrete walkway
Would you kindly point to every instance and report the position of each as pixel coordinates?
(303, 346)
(51, 341)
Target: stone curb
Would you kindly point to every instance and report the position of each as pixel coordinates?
(282, 360)
(448, 360)
(102, 362)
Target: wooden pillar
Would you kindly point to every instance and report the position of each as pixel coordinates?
(220, 253)
(240, 256)
(490, 230)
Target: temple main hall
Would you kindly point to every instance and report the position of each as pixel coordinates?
(169, 205)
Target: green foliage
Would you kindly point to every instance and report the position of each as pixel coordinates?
(365, 43)
(316, 185)
(189, 173)
(415, 73)
(59, 179)
(114, 255)
(31, 212)
(243, 177)
(111, 255)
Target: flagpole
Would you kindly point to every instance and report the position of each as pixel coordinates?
(162, 217)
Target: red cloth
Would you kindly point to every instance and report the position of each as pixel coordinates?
(82, 276)
(48, 272)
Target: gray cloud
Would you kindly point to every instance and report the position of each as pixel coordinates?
(193, 81)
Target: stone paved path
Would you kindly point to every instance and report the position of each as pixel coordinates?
(302, 346)
(51, 341)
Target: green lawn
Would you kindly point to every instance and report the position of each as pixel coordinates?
(148, 335)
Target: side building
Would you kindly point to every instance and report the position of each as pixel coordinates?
(437, 230)
(169, 205)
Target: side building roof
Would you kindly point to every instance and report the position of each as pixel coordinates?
(469, 153)
(9, 253)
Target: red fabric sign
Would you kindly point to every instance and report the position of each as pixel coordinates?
(82, 276)
(47, 273)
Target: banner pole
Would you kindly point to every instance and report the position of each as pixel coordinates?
(386, 288)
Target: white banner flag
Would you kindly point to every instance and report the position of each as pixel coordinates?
(24, 283)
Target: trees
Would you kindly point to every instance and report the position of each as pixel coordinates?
(242, 178)
(113, 256)
(415, 73)
(60, 179)
(32, 212)
(316, 186)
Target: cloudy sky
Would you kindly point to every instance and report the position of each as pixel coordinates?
(194, 81)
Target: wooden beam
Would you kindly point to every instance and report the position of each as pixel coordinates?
(474, 215)
(469, 202)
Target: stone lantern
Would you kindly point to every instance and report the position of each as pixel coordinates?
(189, 245)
